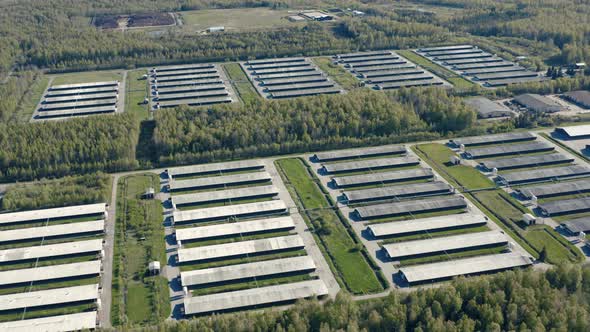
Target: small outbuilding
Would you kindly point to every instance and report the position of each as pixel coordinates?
(154, 267)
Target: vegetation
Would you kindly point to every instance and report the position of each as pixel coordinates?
(350, 265)
(69, 190)
(337, 73)
(138, 297)
(240, 82)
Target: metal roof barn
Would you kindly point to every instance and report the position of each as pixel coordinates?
(486, 108)
(461, 56)
(75, 92)
(301, 86)
(580, 97)
(502, 75)
(383, 177)
(232, 249)
(398, 192)
(289, 75)
(363, 54)
(186, 72)
(195, 102)
(479, 71)
(186, 83)
(224, 195)
(471, 61)
(189, 88)
(302, 93)
(51, 100)
(184, 67)
(84, 85)
(70, 322)
(247, 271)
(445, 48)
(503, 150)
(50, 250)
(235, 228)
(401, 78)
(79, 104)
(397, 85)
(50, 231)
(54, 213)
(398, 228)
(360, 153)
(49, 297)
(466, 266)
(384, 67)
(193, 77)
(532, 161)
(254, 297)
(284, 70)
(493, 139)
(219, 181)
(230, 211)
(465, 51)
(369, 164)
(279, 65)
(415, 248)
(371, 58)
(556, 189)
(575, 226)
(397, 72)
(207, 169)
(575, 131)
(192, 95)
(366, 64)
(544, 174)
(76, 112)
(47, 273)
(405, 207)
(507, 81)
(565, 206)
(483, 65)
(276, 60)
(293, 80)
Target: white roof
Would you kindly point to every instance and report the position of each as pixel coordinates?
(244, 227)
(83, 85)
(62, 212)
(428, 246)
(254, 296)
(239, 248)
(218, 181)
(50, 272)
(220, 195)
(248, 270)
(211, 168)
(50, 250)
(425, 224)
(574, 131)
(466, 266)
(220, 212)
(62, 323)
(49, 297)
(52, 230)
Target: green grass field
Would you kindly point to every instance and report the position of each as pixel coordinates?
(137, 297)
(337, 73)
(88, 76)
(31, 99)
(240, 82)
(236, 19)
(350, 264)
(137, 90)
(458, 82)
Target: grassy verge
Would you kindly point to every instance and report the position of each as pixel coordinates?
(31, 99)
(500, 207)
(350, 265)
(136, 92)
(88, 76)
(458, 82)
(336, 72)
(240, 82)
(138, 298)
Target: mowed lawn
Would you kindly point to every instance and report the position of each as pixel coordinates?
(240, 82)
(350, 263)
(237, 19)
(453, 78)
(336, 72)
(90, 76)
(137, 91)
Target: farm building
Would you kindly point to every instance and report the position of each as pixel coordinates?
(69, 322)
(532, 161)
(486, 108)
(236, 228)
(224, 195)
(219, 181)
(205, 169)
(503, 150)
(382, 177)
(98, 210)
(50, 250)
(555, 189)
(230, 211)
(369, 164)
(445, 244)
(317, 16)
(574, 132)
(538, 103)
(419, 274)
(405, 207)
(414, 226)
(578, 225)
(580, 98)
(566, 206)
(397, 192)
(544, 174)
(493, 139)
(359, 153)
(254, 297)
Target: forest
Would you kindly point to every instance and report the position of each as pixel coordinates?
(278, 127)
(522, 300)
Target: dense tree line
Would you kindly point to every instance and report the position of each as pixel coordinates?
(13, 92)
(556, 300)
(55, 149)
(69, 190)
(264, 128)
